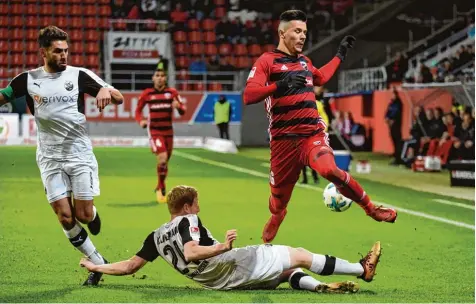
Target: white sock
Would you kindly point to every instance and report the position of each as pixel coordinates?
(301, 280)
(344, 267)
(318, 262)
(79, 238)
(94, 212)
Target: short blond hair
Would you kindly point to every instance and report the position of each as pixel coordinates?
(179, 196)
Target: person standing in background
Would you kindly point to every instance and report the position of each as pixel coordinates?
(393, 117)
(222, 115)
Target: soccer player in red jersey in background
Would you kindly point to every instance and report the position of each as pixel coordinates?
(161, 101)
(284, 79)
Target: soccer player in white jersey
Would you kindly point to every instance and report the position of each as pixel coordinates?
(190, 248)
(55, 96)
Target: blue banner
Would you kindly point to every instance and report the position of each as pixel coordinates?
(205, 112)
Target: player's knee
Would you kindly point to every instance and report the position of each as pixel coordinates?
(84, 215)
(162, 159)
(66, 220)
(328, 171)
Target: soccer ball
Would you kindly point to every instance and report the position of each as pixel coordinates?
(334, 200)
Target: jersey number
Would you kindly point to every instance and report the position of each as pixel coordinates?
(169, 250)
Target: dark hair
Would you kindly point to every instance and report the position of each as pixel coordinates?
(160, 70)
(291, 15)
(49, 34)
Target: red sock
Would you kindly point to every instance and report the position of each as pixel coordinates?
(325, 165)
(161, 175)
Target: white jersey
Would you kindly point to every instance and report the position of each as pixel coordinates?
(251, 267)
(57, 102)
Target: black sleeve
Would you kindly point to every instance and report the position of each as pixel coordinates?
(19, 85)
(184, 230)
(87, 84)
(148, 251)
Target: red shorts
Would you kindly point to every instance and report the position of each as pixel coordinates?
(160, 144)
(289, 156)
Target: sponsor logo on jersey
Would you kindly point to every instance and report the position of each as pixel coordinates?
(41, 100)
(303, 64)
(161, 106)
(284, 68)
(68, 85)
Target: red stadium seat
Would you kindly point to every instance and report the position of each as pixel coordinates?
(92, 61)
(89, 10)
(180, 48)
(32, 46)
(4, 83)
(105, 10)
(17, 59)
(92, 48)
(195, 36)
(60, 10)
(199, 86)
(92, 35)
(31, 9)
(17, 34)
(32, 22)
(4, 46)
(4, 21)
(254, 50)
(196, 49)
(18, 21)
(240, 49)
(15, 72)
(4, 9)
(32, 60)
(45, 21)
(46, 9)
(232, 60)
(193, 25)
(219, 2)
(90, 1)
(62, 21)
(184, 86)
(210, 49)
(182, 75)
(16, 9)
(244, 62)
(215, 87)
(180, 36)
(91, 23)
(268, 48)
(75, 10)
(76, 47)
(182, 62)
(76, 1)
(76, 35)
(104, 23)
(225, 49)
(3, 73)
(254, 58)
(151, 24)
(220, 12)
(119, 24)
(210, 37)
(3, 35)
(17, 46)
(208, 24)
(77, 60)
(31, 34)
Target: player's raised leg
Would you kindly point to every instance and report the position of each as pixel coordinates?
(327, 265)
(321, 158)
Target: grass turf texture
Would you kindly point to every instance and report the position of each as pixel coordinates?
(423, 260)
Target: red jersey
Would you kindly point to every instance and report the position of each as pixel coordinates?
(291, 112)
(160, 110)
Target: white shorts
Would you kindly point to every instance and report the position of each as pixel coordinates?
(61, 177)
(255, 267)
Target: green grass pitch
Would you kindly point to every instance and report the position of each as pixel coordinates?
(423, 260)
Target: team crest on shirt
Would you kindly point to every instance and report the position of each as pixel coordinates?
(167, 95)
(303, 64)
(68, 85)
(194, 231)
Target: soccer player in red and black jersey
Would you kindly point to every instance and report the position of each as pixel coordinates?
(284, 79)
(161, 101)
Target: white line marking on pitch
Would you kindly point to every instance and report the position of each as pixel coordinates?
(264, 175)
(451, 203)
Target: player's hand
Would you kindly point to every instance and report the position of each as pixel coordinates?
(230, 237)
(103, 98)
(346, 44)
(296, 81)
(175, 104)
(143, 123)
(86, 263)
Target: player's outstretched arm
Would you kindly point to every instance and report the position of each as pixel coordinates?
(322, 75)
(3, 99)
(118, 269)
(194, 252)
